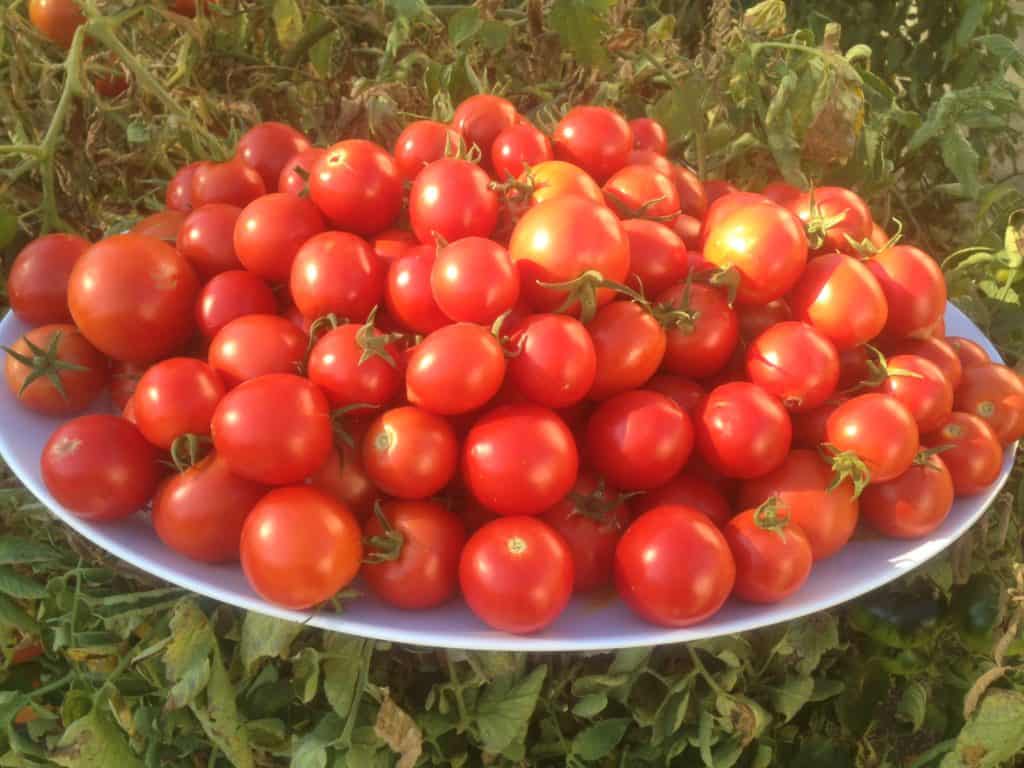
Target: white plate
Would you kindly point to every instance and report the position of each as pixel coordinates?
(587, 624)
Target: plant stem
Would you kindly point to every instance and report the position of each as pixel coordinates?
(712, 683)
(460, 703)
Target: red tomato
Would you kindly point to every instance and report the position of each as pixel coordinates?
(290, 180)
(856, 223)
(855, 368)
(133, 297)
(337, 273)
(178, 196)
(517, 148)
(124, 378)
(879, 239)
(693, 201)
(356, 185)
(780, 192)
(392, 244)
(971, 452)
(716, 188)
(686, 393)
(356, 364)
(473, 280)
(673, 566)
(809, 427)
(773, 556)
(757, 319)
(99, 467)
(938, 351)
(796, 363)
(456, 369)
(657, 257)
(555, 178)
(638, 191)
(300, 547)
(53, 370)
(721, 208)
(656, 160)
(648, 133)
(914, 287)
(56, 20)
(920, 386)
(413, 563)
(969, 352)
(410, 453)
(687, 489)
(914, 504)
(163, 225)
(344, 477)
(700, 344)
(408, 296)
(639, 440)
(742, 431)
(629, 345)
(176, 397)
(519, 460)
(268, 147)
(688, 229)
(421, 143)
(37, 285)
(255, 345)
(199, 513)
(994, 393)
(274, 429)
(479, 119)
(271, 231)
(231, 295)
(554, 362)
(452, 199)
(232, 182)
(206, 239)
(879, 430)
(597, 139)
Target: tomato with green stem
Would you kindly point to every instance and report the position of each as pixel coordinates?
(267, 147)
(796, 363)
(176, 397)
(410, 453)
(554, 361)
(295, 174)
(914, 288)
(555, 178)
(450, 199)
(53, 370)
(704, 330)
(649, 134)
(232, 182)
(913, 504)
(742, 431)
(971, 451)
(921, 387)
(518, 148)
(640, 191)
(473, 280)
(408, 296)
(356, 364)
(629, 346)
(596, 139)
(994, 393)
(255, 345)
(480, 118)
(874, 439)
(206, 239)
(357, 186)
(456, 369)
(336, 273)
(421, 143)
(37, 285)
(937, 351)
(773, 554)
(229, 296)
(833, 216)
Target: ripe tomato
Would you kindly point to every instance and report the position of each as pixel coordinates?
(456, 369)
(686, 393)
(274, 429)
(413, 563)
(597, 139)
(700, 344)
(37, 285)
(765, 244)
(199, 513)
(519, 459)
(856, 223)
(176, 397)
(290, 180)
(206, 239)
(392, 244)
(231, 295)
(920, 386)
(559, 240)
(809, 426)
(802, 484)
(840, 296)
(796, 363)
(356, 185)
(773, 556)
(780, 192)
(124, 378)
(688, 229)
(879, 430)
(232, 182)
(757, 319)
(717, 188)
(693, 201)
(133, 297)
(163, 225)
(271, 230)
(473, 280)
(629, 345)
(53, 370)
(687, 489)
(914, 504)
(178, 196)
(517, 148)
(421, 143)
(649, 134)
(673, 566)
(336, 273)
(971, 451)
(56, 20)
(100, 467)
(555, 178)
(452, 199)
(938, 351)
(300, 547)
(268, 147)
(723, 207)
(994, 393)
(969, 352)
(344, 477)
(356, 364)
(410, 453)
(479, 119)
(408, 296)
(639, 440)
(638, 191)
(742, 431)
(555, 362)
(914, 287)
(657, 257)
(855, 368)
(255, 345)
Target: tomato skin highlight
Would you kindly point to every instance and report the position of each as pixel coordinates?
(994, 393)
(452, 199)
(796, 363)
(256, 345)
(972, 452)
(456, 369)
(175, 397)
(37, 285)
(410, 453)
(336, 273)
(267, 147)
(648, 133)
(629, 346)
(229, 296)
(206, 239)
(473, 280)
(518, 147)
(232, 182)
(555, 363)
(596, 139)
(927, 395)
(770, 565)
(912, 505)
(271, 230)
(555, 178)
(880, 430)
(357, 186)
(742, 431)
(914, 288)
(421, 143)
(80, 387)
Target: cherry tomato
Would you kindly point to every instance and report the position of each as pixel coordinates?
(290, 180)
(421, 143)
(356, 364)
(597, 139)
(920, 386)
(408, 295)
(554, 362)
(199, 513)
(163, 225)
(673, 567)
(206, 239)
(638, 191)
(914, 287)
(994, 393)
(410, 453)
(742, 431)
(796, 363)
(456, 369)
(686, 393)
(337, 273)
(473, 280)
(356, 185)
(855, 368)
(452, 199)
(856, 223)
(516, 574)
(629, 346)
(687, 489)
(969, 352)
(176, 397)
(649, 134)
(231, 295)
(702, 341)
(723, 207)
(178, 196)
(56, 20)
(124, 378)
(773, 556)
(688, 229)
(392, 244)
(971, 451)
(100, 467)
(938, 351)
(780, 192)
(657, 257)
(555, 178)
(53, 370)
(256, 345)
(517, 148)
(479, 119)
(879, 430)
(300, 547)
(268, 147)
(37, 285)
(344, 477)
(717, 188)
(271, 230)
(757, 319)
(232, 182)
(914, 504)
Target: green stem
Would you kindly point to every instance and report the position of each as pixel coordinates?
(460, 703)
(20, 149)
(311, 37)
(364, 676)
(55, 685)
(712, 683)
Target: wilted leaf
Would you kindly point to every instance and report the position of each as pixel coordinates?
(399, 732)
(219, 716)
(505, 709)
(288, 22)
(993, 735)
(94, 741)
(598, 740)
(265, 636)
(810, 639)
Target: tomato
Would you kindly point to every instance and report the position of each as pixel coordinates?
(517, 148)
(206, 239)
(408, 295)
(300, 547)
(456, 369)
(274, 429)
(163, 225)
(133, 297)
(231, 295)
(176, 397)
(693, 200)
(920, 386)
(356, 185)
(649, 134)
(914, 287)
(969, 352)
(938, 351)
(796, 363)
(639, 440)
(717, 188)
(421, 143)
(519, 459)
(337, 273)
(199, 513)
(271, 230)
(555, 178)
(232, 182)
(802, 484)
(702, 341)
(742, 431)
(597, 139)
(879, 430)
(452, 199)
(723, 207)
(656, 160)
(56, 20)
(773, 556)
(809, 427)
(344, 477)
(855, 368)
(757, 319)
(638, 191)
(53, 370)
(994, 393)
(765, 244)
(688, 230)
(971, 451)
(37, 285)
(124, 378)
(562, 238)
(413, 563)
(473, 280)
(356, 364)
(686, 393)
(629, 346)
(479, 119)
(856, 223)
(178, 196)
(554, 361)
(687, 489)
(673, 567)
(290, 180)
(99, 467)
(841, 297)
(256, 345)
(410, 453)
(657, 257)
(267, 147)
(780, 192)
(914, 504)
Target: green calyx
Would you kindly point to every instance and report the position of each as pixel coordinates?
(388, 545)
(45, 363)
(847, 465)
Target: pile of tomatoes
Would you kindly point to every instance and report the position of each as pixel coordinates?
(506, 364)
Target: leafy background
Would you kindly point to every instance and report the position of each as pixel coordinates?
(915, 104)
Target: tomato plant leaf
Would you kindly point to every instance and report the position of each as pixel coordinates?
(8, 227)
(809, 639)
(790, 697)
(310, 750)
(17, 550)
(266, 637)
(20, 587)
(399, 732)
(219, 716)
(598, 740)
(494, 34)
(993, 734)
(344, 661)
(94, 741)
(464, 25)
(581, 25)
(1004, 49)
(913, 704)
(505, 708)
(963, 160)
(191, 640)
(590, 705)
(288, 23)
(306, 674)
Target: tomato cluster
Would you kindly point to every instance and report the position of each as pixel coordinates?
(506, 364)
